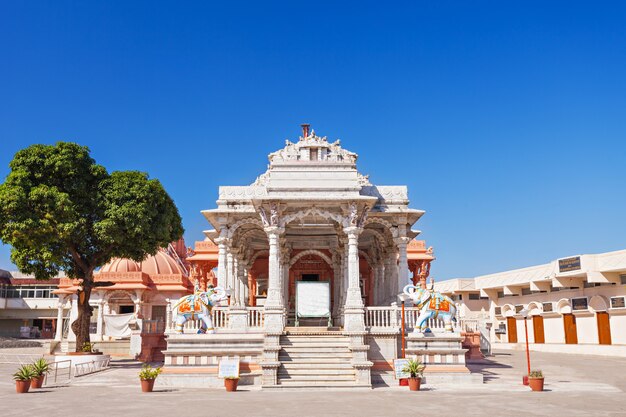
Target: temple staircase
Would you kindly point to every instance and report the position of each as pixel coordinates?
(315, 357)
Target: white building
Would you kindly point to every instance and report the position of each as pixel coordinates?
(576, 304)
(28, 307)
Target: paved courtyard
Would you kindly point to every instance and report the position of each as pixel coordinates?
(575, 386)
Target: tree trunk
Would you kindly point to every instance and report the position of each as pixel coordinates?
(80, 326)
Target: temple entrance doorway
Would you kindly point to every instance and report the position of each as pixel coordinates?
(309, 266)
(310, 277)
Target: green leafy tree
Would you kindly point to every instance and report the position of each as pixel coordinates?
(60, 210)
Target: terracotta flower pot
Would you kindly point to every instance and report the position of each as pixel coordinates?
(147, 385)
(231, 384)
(21, 387)
(414, 384)
(37, 381)
(536, 384)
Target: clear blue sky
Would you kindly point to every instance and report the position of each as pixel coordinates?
(507, 120)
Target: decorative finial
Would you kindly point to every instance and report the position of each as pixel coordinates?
(305, 130)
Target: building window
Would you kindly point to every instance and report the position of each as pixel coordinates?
(622, 279)
(498, 311)
(590, 284)
(579, 304)
(526, 291)
(547, 307)
(473, 296)
(500, 294)
(618, 302)
(22, 291)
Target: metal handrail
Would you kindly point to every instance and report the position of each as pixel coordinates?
(86, 368)
(66, 370)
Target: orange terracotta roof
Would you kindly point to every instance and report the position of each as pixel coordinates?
(126, 286)
(203, 257)
(159, 287)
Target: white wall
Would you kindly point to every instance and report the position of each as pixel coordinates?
(618, 329)
(32, 303)
(553, 329)
(587, 329)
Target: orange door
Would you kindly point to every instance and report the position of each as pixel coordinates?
(604, 328)
(571, 335)
(511, 328)
(538, 329)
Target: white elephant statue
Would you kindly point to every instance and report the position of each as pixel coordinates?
(432, 305)
(198, 306)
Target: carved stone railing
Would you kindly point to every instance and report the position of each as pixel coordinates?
(389, 318)
(256, 316)
(152, 326)
(220, 315)
(469, 325)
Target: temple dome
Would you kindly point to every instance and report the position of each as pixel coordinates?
(161, 263)
(121, 265)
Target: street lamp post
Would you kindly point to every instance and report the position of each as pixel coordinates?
(403, 298)
(524, 314)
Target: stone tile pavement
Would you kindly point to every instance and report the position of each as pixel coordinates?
(576, 386)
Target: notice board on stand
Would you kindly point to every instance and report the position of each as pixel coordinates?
(228, 368)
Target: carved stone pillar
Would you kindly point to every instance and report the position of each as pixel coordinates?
(222, 243)
(390, 282)
(246, 286)
(274, 309)
(100, 320)
(230, 264)
(168, 316)
(336, 286)
(353, 312)
(403, 265)
(58, 334)
(376, 283)
(274, 300)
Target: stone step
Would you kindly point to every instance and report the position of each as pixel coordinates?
(317, 365)
(315, 378)
(297, 356)
(315, 345)
(315, 372)
(328, 385)
(316, 349)
(314, 359)
(332, 335)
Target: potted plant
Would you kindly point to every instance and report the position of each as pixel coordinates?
(415, 369)
(22, 378)
(147, 376)
(535, 380)
(230, 383)
(41, 367)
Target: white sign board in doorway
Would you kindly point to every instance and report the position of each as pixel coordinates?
(313, 300)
